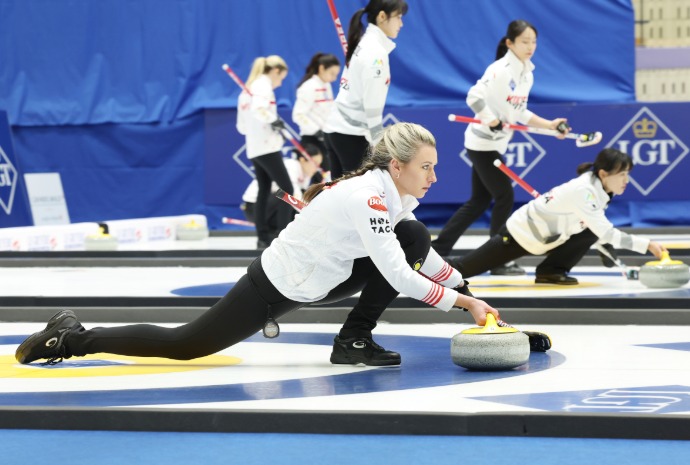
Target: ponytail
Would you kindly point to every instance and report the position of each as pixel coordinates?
(354, 34)
(502, 48)
(611, 160)
(584, 167)
(515, 29)
(263, 65)
(320, 59)
(373, 8)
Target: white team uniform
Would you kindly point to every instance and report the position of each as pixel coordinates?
(501, 93)
(354, 218)
(299, 182)
(313, 105)
(549, 220)
(255, 114)
(358, 109)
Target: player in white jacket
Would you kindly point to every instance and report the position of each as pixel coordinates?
(500, 96)
(356, 234)
(563, 223)
(356, 120)
(257, 119)
(315, 101)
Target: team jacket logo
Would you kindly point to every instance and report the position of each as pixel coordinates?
(380, 225)
(376, 203)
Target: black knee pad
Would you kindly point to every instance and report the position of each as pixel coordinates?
(415, 240)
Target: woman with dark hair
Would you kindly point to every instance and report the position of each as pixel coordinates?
(315, 100)
(357, 234)
(356, 120)
(500, 96)
(563, 224)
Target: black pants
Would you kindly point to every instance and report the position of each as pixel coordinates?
(244, 309)
(347, 152)
(269, 168)
(502, 248)
(488, 183)
(272, 207)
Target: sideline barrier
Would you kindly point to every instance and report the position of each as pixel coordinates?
(73, 236)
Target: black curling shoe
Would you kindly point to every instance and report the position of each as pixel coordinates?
(49, 343)
(560, 279)
(362, 350)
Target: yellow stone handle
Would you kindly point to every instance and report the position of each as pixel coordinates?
(490, 327)
(665, 260)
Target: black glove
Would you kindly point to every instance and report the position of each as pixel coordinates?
(321, 137)
(608, 263)
(497, 128)
(464, 290)
(563, 127)
(278, 125)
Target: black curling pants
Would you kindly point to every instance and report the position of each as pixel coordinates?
(488, 183)
(269, 168)
(502, 248)
(347, 152)
(244, 309)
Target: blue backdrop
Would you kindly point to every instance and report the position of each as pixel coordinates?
(112, 94)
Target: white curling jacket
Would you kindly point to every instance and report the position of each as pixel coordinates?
(352, 219)
(313, 105)
(549, 220)
(255, 114)
(501, 93)
(358, 108)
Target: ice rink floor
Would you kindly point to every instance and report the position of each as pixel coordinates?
(634, 374)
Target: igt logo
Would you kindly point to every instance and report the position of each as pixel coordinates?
(654, 149)
(522, 155)
(8, 182)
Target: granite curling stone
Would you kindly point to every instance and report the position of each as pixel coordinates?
(191, 231)
(490, 348)
(664, 273)
(100, 241)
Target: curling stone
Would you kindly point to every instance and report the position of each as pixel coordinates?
(191, 231)
(664, 273)
(100, 241)
(490, 348)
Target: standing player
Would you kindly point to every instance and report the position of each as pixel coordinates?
(356, 120)
(258, 121)
(315, 101)
(500, 96)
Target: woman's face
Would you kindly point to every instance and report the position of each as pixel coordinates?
(417, 176)
(525, 44)
(615, 183)
(329, 74)
(277, 75)
(390, 25)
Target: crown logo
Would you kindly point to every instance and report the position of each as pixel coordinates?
(645, 129)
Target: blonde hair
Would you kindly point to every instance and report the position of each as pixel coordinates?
(263, 65)
(400, 141)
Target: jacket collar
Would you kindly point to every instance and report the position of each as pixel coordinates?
(518, 65)
(380, 37)
(394, 203)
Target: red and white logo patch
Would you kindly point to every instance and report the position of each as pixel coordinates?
(376, 203)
